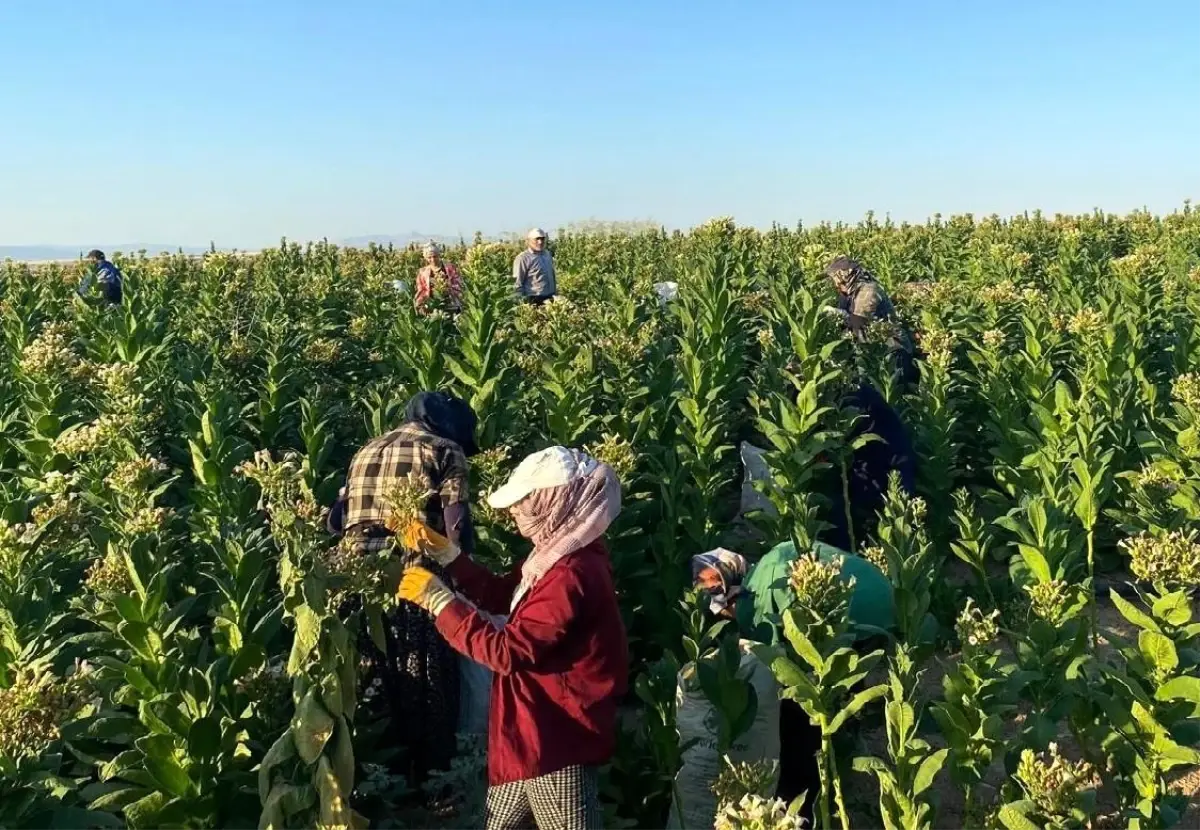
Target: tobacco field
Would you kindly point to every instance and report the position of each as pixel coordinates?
(169, 651)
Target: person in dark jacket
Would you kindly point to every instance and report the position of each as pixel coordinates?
(106, 275)
(871, 465)
(863, 301)
(560, 663)
(416, 682)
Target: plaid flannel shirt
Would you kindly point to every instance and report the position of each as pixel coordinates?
(394, 457)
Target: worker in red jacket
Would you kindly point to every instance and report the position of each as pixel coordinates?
(560, 663)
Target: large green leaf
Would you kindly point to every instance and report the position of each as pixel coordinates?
(1131, 613)
(312, 727)
(1015, 816)
(204, 738)
(928, 771)
(161, 763)
(799, 641)
(282, 750)
(308, 633)
(144, 812)
(1158, 650)
(1181, 688)
(855, 705)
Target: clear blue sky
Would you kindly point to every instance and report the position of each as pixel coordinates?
(184, 122)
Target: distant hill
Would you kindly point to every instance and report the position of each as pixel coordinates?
(52, 253)
(398, 240)
(44, 253)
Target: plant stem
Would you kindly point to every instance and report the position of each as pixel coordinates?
(1094, 613)
(822, 797)
(846, 504)
(837, 788)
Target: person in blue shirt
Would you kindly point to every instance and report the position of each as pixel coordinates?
(106, 275)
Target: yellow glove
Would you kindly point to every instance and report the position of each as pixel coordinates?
(420, 587)
(419, 537)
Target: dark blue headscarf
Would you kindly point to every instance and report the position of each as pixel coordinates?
(445, 416)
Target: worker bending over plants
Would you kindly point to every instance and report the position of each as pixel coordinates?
(756, 598)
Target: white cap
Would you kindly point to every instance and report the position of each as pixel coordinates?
(534, 233)
(551, 467)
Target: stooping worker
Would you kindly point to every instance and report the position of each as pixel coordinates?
(863, 301)
(417, 679)
(756, 599)
(106, 276)
(870, 467)
(533, 270)
(560, 663)
(437, 279)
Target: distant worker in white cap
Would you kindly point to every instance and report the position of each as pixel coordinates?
(560, 663)
(533, 270)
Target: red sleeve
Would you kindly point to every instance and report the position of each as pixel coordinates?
(528, 638)
(491, 592)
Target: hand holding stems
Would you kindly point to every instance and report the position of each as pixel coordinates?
(422, 588)
(420, 538)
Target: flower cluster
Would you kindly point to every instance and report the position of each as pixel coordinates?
(1000, 293)
(147, 521)
(993, 339)
(109, 575)
(269, 689)
(1086, 321)
(617, 453)
(406, 499)
(34, 706)
(238, 350)
(740, 779)
(357, 571)
(622, 349)
(285, 494)
(358, 327)
(765, 337)
(1185, 389)
(323, 351)
(1139, 265)
(938, 345)
(1169, 560)
(1052, 782)
(819, 587)
(975, 629)
(756, 302)
(877, 556)
(1156, 483)
(133, 477)
(1050, 601)
(119, 379)
(87, 439)
(490, 463)
(14, 543)
(754, 812)
(66, 512)
(50, 356)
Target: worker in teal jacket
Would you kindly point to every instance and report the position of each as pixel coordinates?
(756, 598)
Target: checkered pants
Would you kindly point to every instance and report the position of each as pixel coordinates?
(565, 800)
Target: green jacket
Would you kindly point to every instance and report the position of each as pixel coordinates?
(760, 615)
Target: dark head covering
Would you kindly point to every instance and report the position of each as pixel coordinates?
(446, 417)
(849, 269)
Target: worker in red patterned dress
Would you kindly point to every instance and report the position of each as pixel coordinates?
(560, 663)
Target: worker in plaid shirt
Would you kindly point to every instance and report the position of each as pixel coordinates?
(417, 680)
